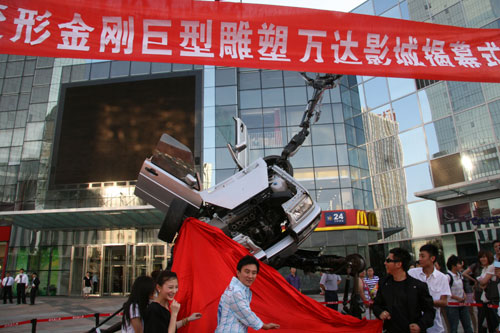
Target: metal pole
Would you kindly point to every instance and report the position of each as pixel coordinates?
(96, 315)
(33, 325)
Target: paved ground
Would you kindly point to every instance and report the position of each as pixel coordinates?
(62, 306)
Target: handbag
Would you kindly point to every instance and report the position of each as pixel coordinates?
(491, 291)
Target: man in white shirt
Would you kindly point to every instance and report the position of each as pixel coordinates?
(7, 283)
(22, 283)
(437, 282)
(329, 284)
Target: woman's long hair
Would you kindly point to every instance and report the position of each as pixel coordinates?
(142, 289)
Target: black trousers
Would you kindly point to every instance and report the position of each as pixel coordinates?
(21, 293)
(491, 319)
(332, 296)
(33, 294)
(7, 293)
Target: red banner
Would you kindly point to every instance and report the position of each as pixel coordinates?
(248, 35)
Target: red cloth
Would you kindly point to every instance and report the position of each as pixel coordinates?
(205, 261)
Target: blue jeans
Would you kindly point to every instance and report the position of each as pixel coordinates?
(456, 313)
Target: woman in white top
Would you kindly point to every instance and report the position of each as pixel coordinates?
(134, 308)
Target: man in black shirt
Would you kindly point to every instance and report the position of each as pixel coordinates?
(402, 302)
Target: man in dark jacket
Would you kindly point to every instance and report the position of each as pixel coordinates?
(402, 302)
(35, 281)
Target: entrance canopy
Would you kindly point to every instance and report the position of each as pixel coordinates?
(250, 36)
(462, 189)
(85, 218)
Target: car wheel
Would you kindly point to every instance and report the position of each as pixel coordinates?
(284, 164)
(173, 220)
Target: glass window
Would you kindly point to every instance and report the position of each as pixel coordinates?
(441, 137)
(340, 133)
(326, 114)
(405, 14)
(324, 155)
(413, 143)
(407, 112)
(329, 199)
(252, 117)
(274, 117)
(223, 159)
(347, 202)
(495, 116)
(255, 138)
(272, 79)
(322, 134)
(400, 87)
(303, 158)
(292, 130)
(418, 178)
(31, 150)
(225, 76)
(273, 97)
(365, 8)
(434, 102)
(224, 115)
(224, 135)
(338, 115)
(139, 68)
(120, 68)
(294, 115)
(305, 177)
(465, 95)
(5, 138)
(275, 137)
(382, 5)
(474, 127)
(295, 96)
(249, 80)
(157, 67)
(327, 177)
(393, 13)
(34, 131)
(293, 79)
(481, 162)
(99, 70)
(376, 92)
(424, 218)
(491, 90)
(225, 95)
(250, 99)
(342, 155)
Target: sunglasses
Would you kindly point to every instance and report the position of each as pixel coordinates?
(389, 260)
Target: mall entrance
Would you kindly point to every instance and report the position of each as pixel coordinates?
(114, 267)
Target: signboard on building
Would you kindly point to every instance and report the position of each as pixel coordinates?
(347, 219)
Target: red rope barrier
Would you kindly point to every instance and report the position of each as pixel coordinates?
(24, 322)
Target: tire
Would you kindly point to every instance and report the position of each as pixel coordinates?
(285, 165)
(173, 220)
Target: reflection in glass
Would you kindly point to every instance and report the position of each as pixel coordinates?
(329, 199)
(413, 149)
(327, 177)
(376, 92)
(325, 155)
(464, 95)
(400, 87)
(322, 134)
(418, 178)
(474, 127)
(424, 218)
(441, 137)
(407, 112)
(305, 176)
(250, 99)
(274, 117)
(434, 102)
(481, 162)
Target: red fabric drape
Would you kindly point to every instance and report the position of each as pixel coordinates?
(205, 260)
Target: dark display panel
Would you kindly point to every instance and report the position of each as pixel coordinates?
(106, 130)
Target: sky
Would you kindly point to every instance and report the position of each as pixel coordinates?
(337, 5)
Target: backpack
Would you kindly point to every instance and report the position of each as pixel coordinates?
(464, 283)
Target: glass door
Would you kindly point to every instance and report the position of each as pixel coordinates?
(94, 258)
(114, 269)
(77, 265)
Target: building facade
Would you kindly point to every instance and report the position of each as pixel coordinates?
(422, 155)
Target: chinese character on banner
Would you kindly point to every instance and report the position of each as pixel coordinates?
(310, 44)
(117, 33)
(235, 40)
(376, 51)
(275, 40)
(435, 53)
(75, 34)
(464, 55)
(154, 37)
(195, 33)
(405, 53)
(27, 20)
(489, 54)
(348, 44)
(2, 17)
